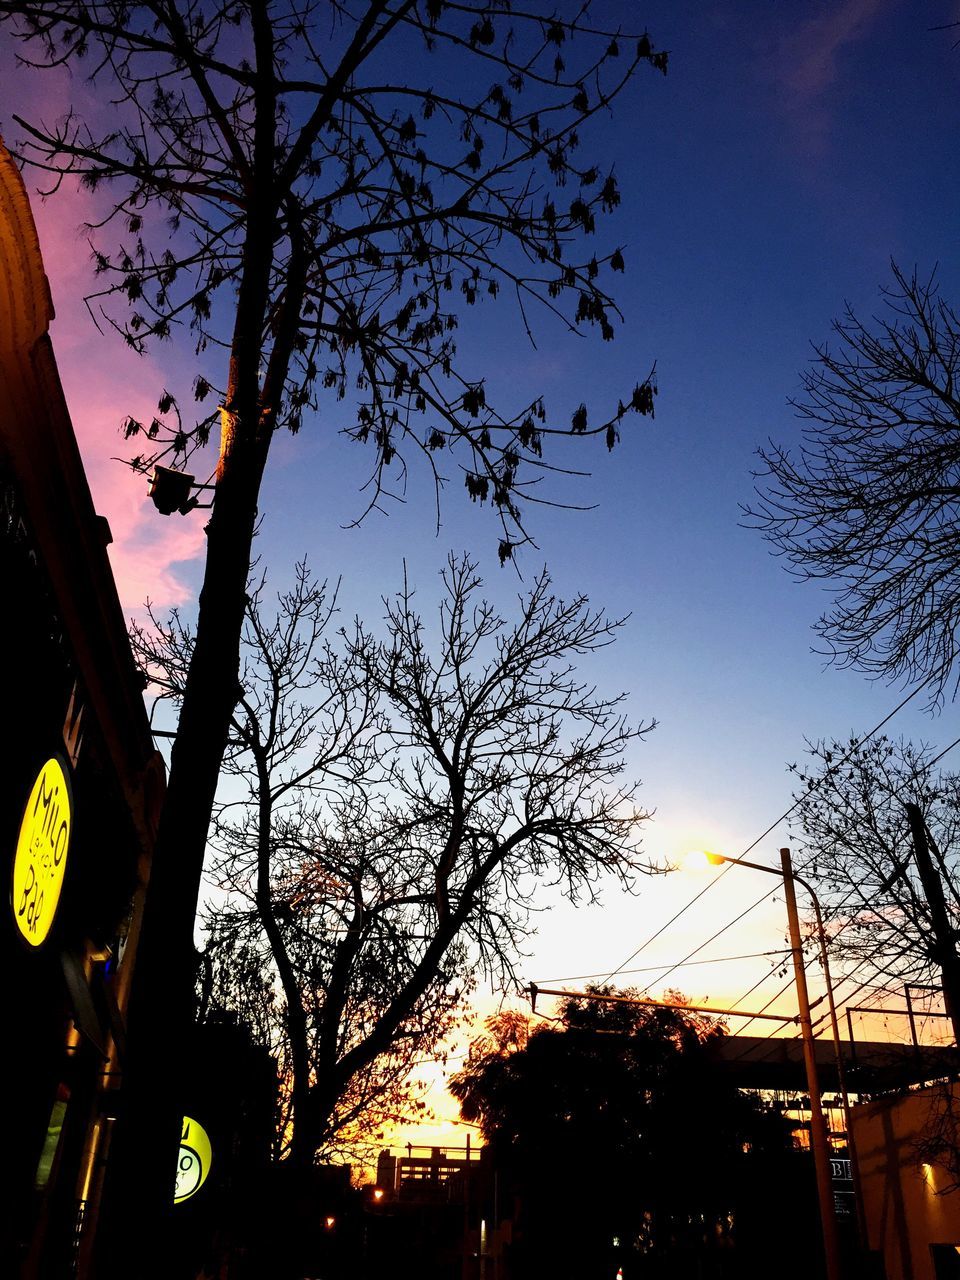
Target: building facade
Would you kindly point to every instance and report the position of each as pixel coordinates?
(81, 786)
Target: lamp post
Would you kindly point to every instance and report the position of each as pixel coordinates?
(818, 1129)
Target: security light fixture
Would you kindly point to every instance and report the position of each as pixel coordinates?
(170, 490)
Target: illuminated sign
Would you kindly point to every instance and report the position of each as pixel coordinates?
(193, 1160)
(41, 857)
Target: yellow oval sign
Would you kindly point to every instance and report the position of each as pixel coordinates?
(42, 848)
(193, 1160)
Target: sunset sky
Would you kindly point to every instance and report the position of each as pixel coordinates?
(790, 152)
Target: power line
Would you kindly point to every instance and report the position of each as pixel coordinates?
(877, 968)
(823, 1017)
(790, 982)
(785, 988)
(877, 992)
(773, 999)
(937, 759)
(729, 925)
(842, 761)
(772, 827)
(839, 907)
(688, 959)
(759, 983)
(880, 992)
(673, 919)
(750, 955)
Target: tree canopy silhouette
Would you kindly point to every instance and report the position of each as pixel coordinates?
(397, 800)
(871, 502)
(616, 1119)
(277, 193)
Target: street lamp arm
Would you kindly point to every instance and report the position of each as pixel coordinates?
(774, 871)
(784, 875)
(742, 862)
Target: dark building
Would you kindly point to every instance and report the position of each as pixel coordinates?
(81, 786)
(435, 1214)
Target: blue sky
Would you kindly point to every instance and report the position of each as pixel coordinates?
(789, 153)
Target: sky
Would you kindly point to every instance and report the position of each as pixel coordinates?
(767, 180)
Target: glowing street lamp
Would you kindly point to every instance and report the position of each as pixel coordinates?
(701, 858)
(818, 1129)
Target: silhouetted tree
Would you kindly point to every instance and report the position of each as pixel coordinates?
(311, 191)
(404, 796)
(857, 843)
(615, 1123)
(871, 503)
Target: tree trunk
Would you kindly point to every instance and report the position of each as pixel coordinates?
(137, 1242)
(157, 1072)
(944, 949)
(331, 1083)
(301, 1152)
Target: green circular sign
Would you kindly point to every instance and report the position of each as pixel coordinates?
(193, 1160)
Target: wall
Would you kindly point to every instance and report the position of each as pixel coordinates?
(908, 1205)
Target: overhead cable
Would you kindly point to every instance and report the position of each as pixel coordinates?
(772, 827)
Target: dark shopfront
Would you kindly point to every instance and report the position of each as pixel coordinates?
(80, 789)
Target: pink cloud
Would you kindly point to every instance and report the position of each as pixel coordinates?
(815, 50)
(147, 546)
(104, 382)
(808, 64)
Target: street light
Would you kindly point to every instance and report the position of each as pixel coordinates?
(705, 858)
(818, 1128)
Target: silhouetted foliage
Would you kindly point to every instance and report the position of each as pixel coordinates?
(278, 193)
(403, 797)
(871, 504)
(614, 1123)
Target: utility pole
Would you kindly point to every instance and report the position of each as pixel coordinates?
(945, 945)
(818, 1128)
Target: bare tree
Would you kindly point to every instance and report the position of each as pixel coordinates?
(404, 798)
(871, 503)
(239, 984)
(857, 842)
(307, 216)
